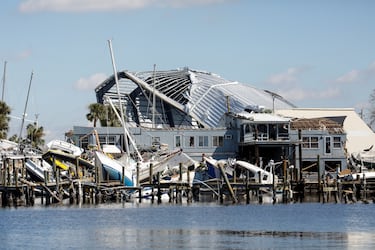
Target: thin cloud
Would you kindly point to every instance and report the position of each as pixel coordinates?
(19, 55)
(91, 82)
(299, 94)
(289, 85)
(289, 77)
(351, 76)
(108, 5)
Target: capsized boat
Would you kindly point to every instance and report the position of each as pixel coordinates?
(65, 147)
(39, 169)
(364, 159)
(114, 169)
(169, 167)
(231, 166)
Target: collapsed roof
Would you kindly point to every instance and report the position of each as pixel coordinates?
(183, 97)
(317, 124)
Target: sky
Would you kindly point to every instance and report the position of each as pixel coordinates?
(316, 54)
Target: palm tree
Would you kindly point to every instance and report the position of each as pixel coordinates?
(35, 134)
(97, 112)
(111, 119)
(4, 119)
(372, 111)
(14, 138)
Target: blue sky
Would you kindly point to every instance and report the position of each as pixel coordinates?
(314, 53)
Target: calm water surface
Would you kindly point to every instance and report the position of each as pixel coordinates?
(189, 226)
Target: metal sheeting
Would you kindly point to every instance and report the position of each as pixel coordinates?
(203, 96)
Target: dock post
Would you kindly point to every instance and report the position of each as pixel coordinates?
(3, 172)
(189, 191)
(123, 175)
(247, 188)
(319, 178)
(23, 172)
(47, 193)
(151, 179)
(227, 182)
(285, 195)
(138, 184)
(42, 196)
(300, 162)
(260, 195)
(159, 191)
(8, 172)
(151, 173)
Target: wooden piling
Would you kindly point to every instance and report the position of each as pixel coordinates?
(123, 175)
(234, 198)
(138, 185)
(247, 188)
(158, 186)
(319, 179)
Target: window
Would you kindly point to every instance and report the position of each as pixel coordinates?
(282, 130)
(203, 141)
(336, 142)
(310, 142)
(262, 132)
(189, 142)
(217, 141)
(177, 141)
(305, 142)
(327, 143)
(314, 142)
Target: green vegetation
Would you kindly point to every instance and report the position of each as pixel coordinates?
(4, 119)
(372, 108)
(35, 134)
(102, 113)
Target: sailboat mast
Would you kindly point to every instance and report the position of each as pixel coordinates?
(4, 77)
(119, 98)
(24, 111)
(153, 98)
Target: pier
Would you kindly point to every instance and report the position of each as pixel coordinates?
(80, 186)
(84, 186)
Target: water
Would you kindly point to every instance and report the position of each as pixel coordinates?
(189, 226)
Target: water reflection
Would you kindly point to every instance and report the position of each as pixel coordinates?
(294, 226)
(228, 239)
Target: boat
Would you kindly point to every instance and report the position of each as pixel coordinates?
(8, 147)
(65, 147)
(113, 169)
(38, 169)
(169, 166)
(233, 166)
(260, 175)
(363, 160)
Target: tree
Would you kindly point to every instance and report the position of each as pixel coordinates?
(4, 119)
(97, 112)
(35, 134)
(110, 118)
(14, 138)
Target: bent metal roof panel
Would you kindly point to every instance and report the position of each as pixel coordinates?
(201, 95)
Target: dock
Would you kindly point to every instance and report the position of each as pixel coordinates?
(18, 189)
